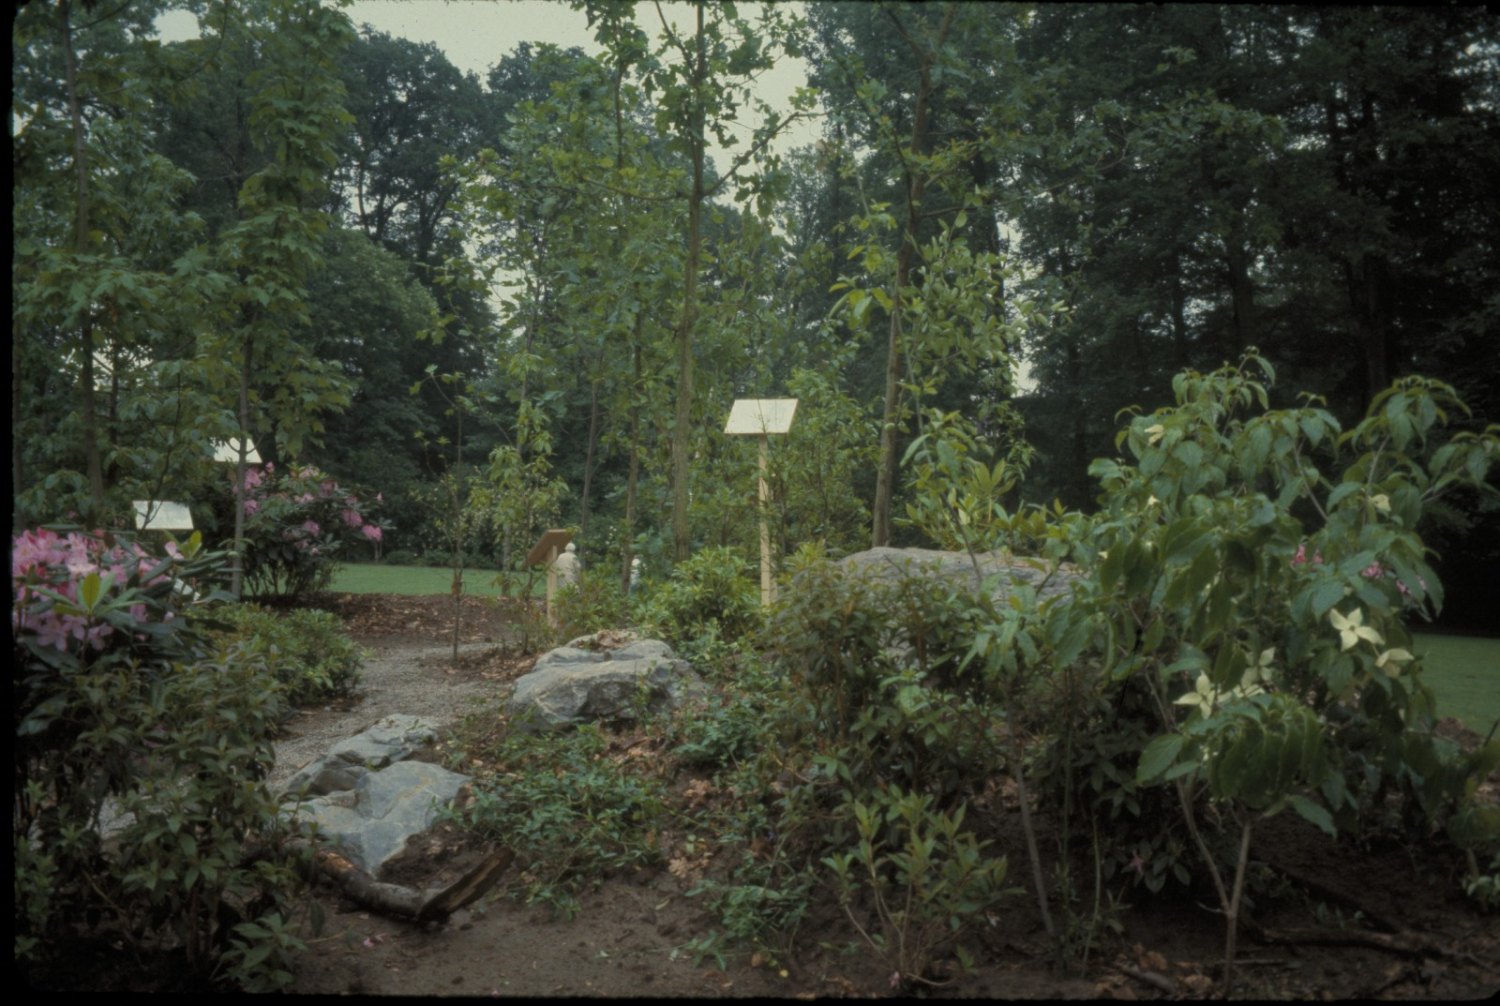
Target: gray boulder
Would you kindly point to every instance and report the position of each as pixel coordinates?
(372, 822)
(1048, 578)
(572, 685)
(365, 796)
(392, 739)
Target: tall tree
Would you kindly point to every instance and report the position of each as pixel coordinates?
(700, 78)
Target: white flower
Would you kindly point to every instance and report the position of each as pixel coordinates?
(1201, 697)
(1260, 672)
(1382, 502)
(1391, 660)
(1352, 629)
(1154, 433)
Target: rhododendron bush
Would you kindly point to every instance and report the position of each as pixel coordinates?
(141, 740)
(298, 522)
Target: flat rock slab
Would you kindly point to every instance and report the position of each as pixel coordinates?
(1049, 579)
(392, 739)
(367, 798)
(571, 684)
(373, 821)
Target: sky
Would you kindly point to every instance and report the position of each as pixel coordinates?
(477, 34)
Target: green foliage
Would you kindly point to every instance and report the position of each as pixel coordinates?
(593, 603)
(141, 744)
(573, 816)
(306, 650)
(1260, 604)
(298, 521)
(928, 883)
(708, 598)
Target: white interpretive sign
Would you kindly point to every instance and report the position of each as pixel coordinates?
(158, 516)
(761, 416)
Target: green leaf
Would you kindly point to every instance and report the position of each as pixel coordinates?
(1157, 757)
(1314, 813)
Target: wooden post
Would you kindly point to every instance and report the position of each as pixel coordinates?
(767, 588)
(762, 417)
(546, 550)
(551, 582)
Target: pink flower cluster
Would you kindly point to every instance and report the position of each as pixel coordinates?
(44, 559)
(305, 491)
(1373, 571)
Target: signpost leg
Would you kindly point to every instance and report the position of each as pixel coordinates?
(767, 588)
(551, 581)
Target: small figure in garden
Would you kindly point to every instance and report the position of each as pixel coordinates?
(635, 573)
(567, 566)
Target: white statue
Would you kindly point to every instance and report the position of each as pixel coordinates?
(635, 573)
(567, 566)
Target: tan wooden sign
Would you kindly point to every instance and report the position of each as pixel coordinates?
(548, 546)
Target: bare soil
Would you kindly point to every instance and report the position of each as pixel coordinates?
(1342, 922)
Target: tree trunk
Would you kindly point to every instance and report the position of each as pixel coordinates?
(916, 184)
(92, 466)
(681, 540)
(588, 468)
(628, 552)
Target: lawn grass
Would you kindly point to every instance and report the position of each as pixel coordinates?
(1464, 674)
(418, 581)
(1464, 671)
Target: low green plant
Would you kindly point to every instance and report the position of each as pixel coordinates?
(572, 814)
(306, 649)
(708, 597)
(927, 882)
(593, 603)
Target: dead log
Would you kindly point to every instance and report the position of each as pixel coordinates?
(431, 905)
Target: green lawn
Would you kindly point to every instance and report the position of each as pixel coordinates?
(1464, 672)
(368, 578)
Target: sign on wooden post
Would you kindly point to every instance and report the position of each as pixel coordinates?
(546, 550)
(762, 417)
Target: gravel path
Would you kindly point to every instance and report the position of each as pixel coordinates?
(396, 678)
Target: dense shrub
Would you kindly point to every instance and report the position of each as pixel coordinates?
(593, 603)
(306, 650)
(127, 712)
(709, 601)
(298, 523)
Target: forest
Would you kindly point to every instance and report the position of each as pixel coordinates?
(1189, 310)
(535, 293)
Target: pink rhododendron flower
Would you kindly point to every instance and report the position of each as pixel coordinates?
(1301, 557)
(1373, 571)
(311, 527)
(371, 531)
(352, 518)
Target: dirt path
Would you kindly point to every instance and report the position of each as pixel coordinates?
(626, 940)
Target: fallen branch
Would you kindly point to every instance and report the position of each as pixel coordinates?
(432, 905)
(1159, 982)
(1405, 944)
